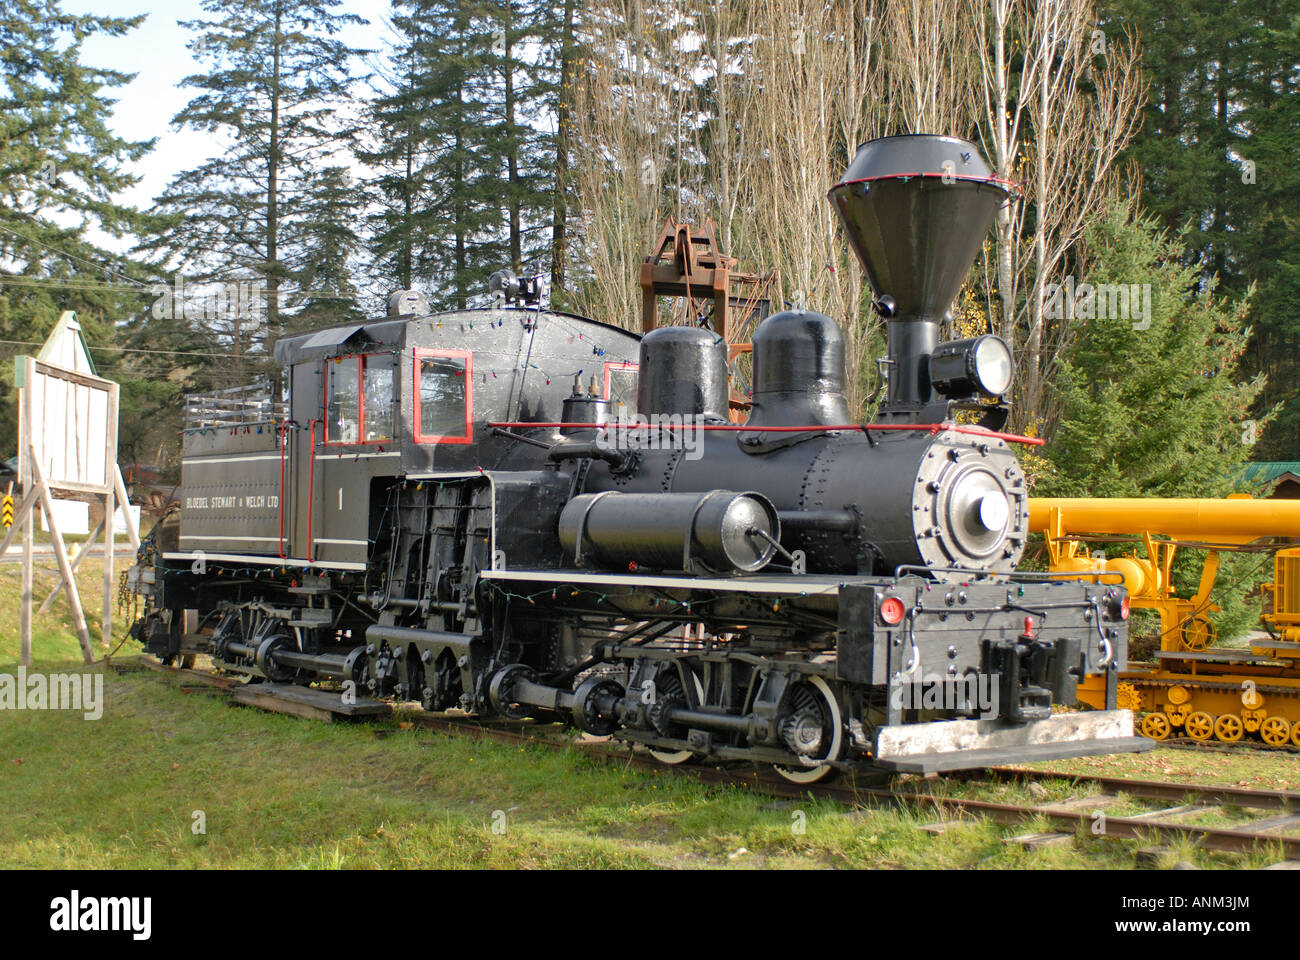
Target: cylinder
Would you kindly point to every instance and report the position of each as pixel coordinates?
(798, 371)
(724, 531)
(684, 372)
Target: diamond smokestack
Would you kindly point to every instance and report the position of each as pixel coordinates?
(916, 209)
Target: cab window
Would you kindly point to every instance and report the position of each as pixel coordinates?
(343, 421)
(377, 398)
(444, 396)
(620, 386)
(359, 399)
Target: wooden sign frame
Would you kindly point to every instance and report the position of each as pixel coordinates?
(36, 454)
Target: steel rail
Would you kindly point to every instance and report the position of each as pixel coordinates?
(852, 794)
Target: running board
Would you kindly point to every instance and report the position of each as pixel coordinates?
(946, 745)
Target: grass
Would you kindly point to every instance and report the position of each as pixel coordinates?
(282, 792)
(54, 641)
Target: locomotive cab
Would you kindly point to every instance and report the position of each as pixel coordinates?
(412, 395)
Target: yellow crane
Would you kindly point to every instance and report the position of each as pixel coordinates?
(1205, 690)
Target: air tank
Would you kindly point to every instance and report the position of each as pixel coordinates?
(721, 530)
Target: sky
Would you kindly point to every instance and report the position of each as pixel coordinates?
(157, 54)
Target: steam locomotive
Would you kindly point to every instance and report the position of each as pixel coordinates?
(517, 512)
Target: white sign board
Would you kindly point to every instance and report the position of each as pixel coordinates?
(67, 442)
(119, 521)
(72, 516)
(73, 422)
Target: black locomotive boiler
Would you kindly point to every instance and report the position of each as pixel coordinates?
(523, 513)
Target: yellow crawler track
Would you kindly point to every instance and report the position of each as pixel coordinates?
(1226, 706)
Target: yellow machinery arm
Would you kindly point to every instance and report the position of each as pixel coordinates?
(1198, 692)
(1232, 520)
(1208, 524)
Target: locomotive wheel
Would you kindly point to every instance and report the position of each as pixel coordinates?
(1229, 728)
(1295, 734)
(499, 690)
(1275, 731)
(1156, 726)
(671, 685)
(832, 726)
(1200, 726)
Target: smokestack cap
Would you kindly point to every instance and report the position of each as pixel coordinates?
(916, 209)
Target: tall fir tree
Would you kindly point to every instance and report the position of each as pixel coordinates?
(1218, 162)
(1158, 407)
(464, 144)
(441, 217)
(402, 185)
(565, 51)
(276, 99)
(527, 45)
(326, 294)
(62, 167)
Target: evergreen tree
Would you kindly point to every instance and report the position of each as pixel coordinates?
(276, 96)
(61, 167)
(464, 150)
(402, 186)
(565, 52)
(527, 44)
(1158, 410)
(442, 218)
(1218, 161)
(327, 295)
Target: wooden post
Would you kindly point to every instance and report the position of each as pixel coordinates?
(28, 516)
(76, 562)
(27, 521)
(110, 476)
(65, 566)
(124, 500)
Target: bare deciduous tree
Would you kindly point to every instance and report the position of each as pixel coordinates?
(747, 112)
(1057, 125)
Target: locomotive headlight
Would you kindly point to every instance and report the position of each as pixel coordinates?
(962, 368)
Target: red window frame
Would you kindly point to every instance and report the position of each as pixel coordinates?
(360, 358)
(612, 365)
(468, 357)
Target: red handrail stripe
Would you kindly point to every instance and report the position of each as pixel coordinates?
(284, 432)
(814, 428)
(311, 485)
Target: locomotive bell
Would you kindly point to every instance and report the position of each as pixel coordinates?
(916, 209)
